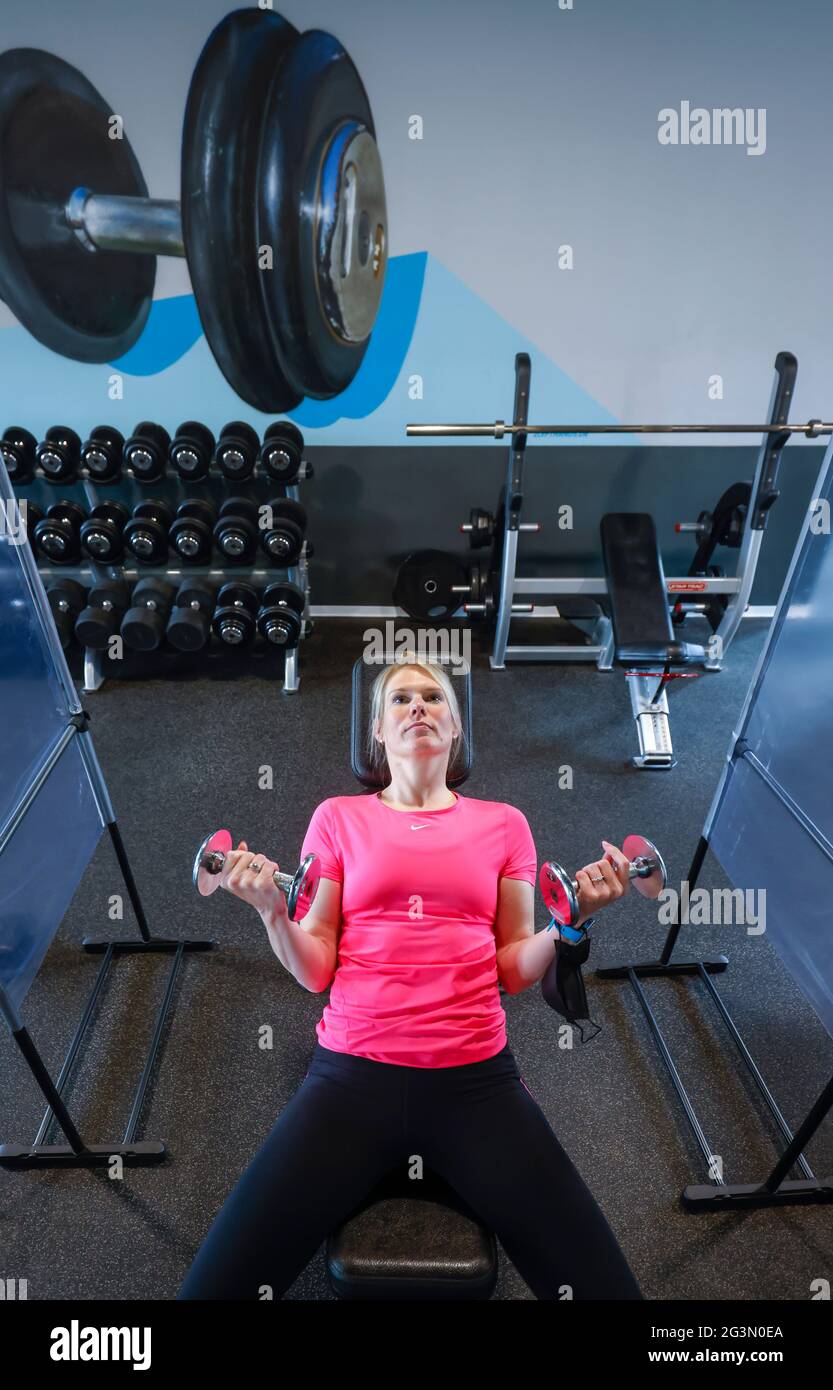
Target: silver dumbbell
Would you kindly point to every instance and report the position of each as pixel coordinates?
(210, 861)
(647, 871)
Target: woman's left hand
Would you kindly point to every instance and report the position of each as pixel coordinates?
(602, 882)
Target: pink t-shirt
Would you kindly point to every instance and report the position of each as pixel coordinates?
(416, 979)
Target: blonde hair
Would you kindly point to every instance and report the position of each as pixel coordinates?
(376, 750)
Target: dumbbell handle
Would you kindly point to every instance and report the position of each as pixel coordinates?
(642, 867)
(214, 862)
(645, 866)
(211, 858)
(110, 222)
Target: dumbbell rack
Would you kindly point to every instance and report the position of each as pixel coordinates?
(88, 570)
(94, 674)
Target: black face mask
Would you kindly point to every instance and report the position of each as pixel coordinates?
(563, 987)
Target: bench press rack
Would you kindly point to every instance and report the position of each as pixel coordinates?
(610, 640)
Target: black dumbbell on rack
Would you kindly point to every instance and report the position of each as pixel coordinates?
(237, 451)
(191, 452)
(102, 534)
(146, 533)
(57, 536)
(189, 626)
(282, 452)
(102, 455)
(146, 452)
(107, 603)
(280, 616)
(143, 625)
(59, 454)
(191, 534)
(234, 620)
(18, 448)
(236, 532)
(282, 539)
(289, 507)
(66, 599)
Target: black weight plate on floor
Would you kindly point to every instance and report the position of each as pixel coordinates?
(317, 90)
(54, 137)
(424, 583)
(220, 143)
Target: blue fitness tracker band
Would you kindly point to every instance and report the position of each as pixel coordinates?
(572, 934)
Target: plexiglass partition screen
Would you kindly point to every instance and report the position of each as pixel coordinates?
(771, 823)
(42, 861)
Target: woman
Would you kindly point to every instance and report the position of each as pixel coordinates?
(426, 901)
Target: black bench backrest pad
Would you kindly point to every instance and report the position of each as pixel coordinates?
(635, 580)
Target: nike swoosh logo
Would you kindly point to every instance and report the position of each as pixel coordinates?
(425, 825)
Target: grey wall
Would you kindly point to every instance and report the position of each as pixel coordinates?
(369, 508)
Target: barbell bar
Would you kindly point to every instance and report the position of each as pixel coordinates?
(812, 429)
(115, 222)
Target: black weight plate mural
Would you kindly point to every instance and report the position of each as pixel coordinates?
(221, 139)
(54, 138)
(317, 93)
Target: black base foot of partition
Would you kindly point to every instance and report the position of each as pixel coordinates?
(735, 1196)
(138, 1154)
(713, 965)
(156, 943)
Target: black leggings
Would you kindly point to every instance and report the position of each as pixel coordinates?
(352, 1121)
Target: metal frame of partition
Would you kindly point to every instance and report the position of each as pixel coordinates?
(76, 1152)
(777, 1188)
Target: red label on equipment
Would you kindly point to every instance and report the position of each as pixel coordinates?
(687, 586)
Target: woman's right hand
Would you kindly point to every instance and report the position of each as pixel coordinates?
(255, 887)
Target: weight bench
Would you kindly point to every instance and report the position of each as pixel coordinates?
(643, 635)
(409, 1239)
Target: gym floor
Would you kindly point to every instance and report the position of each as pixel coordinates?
(182, 757)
